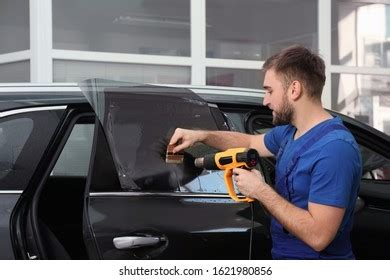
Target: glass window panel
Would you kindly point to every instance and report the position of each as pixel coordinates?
(14, 25)
(140, 27)
(23, 141)
(364, 97)
(15, 72)
(361, 33)
(252, 29)
(75, 71)
(375, 166)
(138, 140)
(74, 158)
(235, 77)
(13, 136)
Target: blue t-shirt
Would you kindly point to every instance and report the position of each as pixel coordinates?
(327, 173)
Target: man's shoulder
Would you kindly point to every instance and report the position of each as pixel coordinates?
(338, 144)
(338, 149)
(337, 135)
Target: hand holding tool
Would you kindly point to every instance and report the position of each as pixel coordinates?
(228, 160)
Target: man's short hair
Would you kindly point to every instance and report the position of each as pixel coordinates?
(299, 63)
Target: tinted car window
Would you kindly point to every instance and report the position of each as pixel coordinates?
(23, 140)
(138, 122)
(141, 129)
(105, 178)
(13, 137)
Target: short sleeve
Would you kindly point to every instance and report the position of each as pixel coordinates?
(274, 137)
(335, 174)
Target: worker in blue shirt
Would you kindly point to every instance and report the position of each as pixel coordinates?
(318, 164)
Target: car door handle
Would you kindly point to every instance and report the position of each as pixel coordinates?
(131, 242)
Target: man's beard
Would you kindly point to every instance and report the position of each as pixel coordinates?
(285, 114)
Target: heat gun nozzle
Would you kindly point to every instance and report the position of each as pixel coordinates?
(199, 162)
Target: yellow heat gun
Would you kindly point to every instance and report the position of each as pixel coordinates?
(227, 160)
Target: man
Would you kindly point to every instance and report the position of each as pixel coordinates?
(318, 164)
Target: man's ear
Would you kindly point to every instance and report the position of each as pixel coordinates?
(296, 90)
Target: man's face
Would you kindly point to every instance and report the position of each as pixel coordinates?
(276, 99)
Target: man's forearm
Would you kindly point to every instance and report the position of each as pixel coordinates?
(297, 221)
(223, 140)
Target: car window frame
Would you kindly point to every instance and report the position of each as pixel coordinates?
(37, 114)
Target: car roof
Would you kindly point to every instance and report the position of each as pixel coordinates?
(22, 95)
(13, 96)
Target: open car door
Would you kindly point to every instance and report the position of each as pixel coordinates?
(139, 207)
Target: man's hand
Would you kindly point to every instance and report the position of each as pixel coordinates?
(185, 138)
(250, 183)
(316, 226)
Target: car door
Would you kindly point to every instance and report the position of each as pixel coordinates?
(24, 136)
(371, 230)
(139, 207)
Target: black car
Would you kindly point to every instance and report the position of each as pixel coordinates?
(83, 175)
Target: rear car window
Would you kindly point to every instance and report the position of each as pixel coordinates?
(137, 123)
(139, 129)
(13, 137)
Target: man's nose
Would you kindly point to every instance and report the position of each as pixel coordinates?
(265, 100)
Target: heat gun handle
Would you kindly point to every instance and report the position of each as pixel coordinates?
(228, 177)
